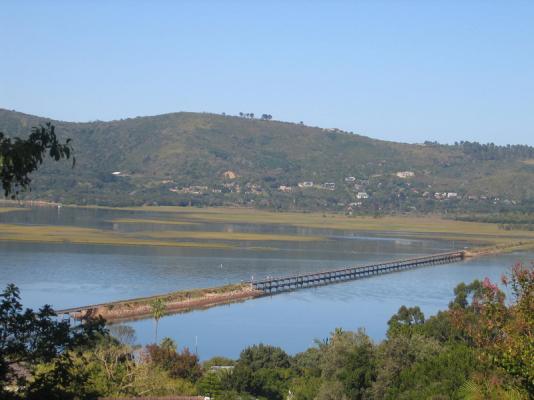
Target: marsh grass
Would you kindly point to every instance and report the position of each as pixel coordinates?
(151, 221)
(429, 224)
(77, 235)
(232, 236)
(11, 209)
(80, 235)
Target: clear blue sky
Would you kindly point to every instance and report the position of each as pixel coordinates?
(399, 70)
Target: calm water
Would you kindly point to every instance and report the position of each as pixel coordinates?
(68, 275)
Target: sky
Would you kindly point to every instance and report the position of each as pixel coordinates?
(398, 70)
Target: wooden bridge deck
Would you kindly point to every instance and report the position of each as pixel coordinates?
(287, 283)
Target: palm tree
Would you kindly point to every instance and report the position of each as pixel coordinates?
(158, 310)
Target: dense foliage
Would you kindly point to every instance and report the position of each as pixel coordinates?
(181, 158)
(490, 151)
(482, 347)
(507, 221)
(37, 351)
(20, 157)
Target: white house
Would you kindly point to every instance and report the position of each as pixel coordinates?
(405, 174)
(362, 195)
(305, 184)
(284, 188)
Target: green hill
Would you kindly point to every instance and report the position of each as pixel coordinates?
(180, 158)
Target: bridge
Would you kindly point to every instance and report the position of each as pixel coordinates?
(274, 285)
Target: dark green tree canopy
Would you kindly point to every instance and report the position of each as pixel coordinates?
(28, 338)
(20, 157)
(405, 320)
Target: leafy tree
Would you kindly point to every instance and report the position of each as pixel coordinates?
(20, 157)
(440, 328)
(348, 366)
(210, 385)
(305, 387)
(464, 292)
(183, 365)
(217, 361)
(405, 321)
(437, 374)
(503, 334)
(111, 367)
(118, 370)
(64, 377)
(396, 355)
(29, 338)
(263, 370)
(263, 356)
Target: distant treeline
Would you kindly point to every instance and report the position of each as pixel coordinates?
(506, 221)
(491, 151)
(501, 218)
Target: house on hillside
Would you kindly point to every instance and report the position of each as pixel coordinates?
(350, 179)
(452, 195)
(329, 186)
(253, 188)
(196, 190)
(229, 175)
(405, 174)
(362, 195)
(305, 184)
(285, 189)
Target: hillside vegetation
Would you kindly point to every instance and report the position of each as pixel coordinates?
(207, 159)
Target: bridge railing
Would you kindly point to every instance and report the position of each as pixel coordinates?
(305, 279)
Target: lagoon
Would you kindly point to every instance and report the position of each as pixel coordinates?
(66, 274)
